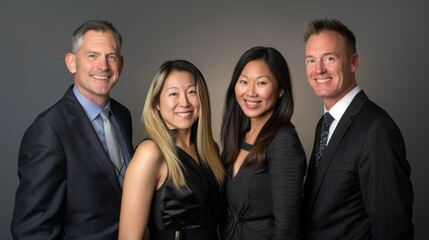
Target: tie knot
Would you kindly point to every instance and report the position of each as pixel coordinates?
(105, 114)
(328, 119)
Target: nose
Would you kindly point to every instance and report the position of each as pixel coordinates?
(184, 101)
(103, 63)
(251, 90)
(320, 67)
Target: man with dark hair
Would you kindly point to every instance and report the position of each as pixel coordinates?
(358, 182)
(73, 157)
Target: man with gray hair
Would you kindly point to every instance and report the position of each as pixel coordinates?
(73, 157)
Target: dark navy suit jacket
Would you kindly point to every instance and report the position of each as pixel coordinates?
(67, 184)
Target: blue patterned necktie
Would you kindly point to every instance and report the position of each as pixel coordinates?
(113, 146)
(327, 121)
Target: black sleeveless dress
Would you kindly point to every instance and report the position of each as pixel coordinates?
(191, 212)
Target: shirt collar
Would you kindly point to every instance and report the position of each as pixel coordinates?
(340, 107)
(92, 109)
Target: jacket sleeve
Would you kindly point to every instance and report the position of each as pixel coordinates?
(384, 175)
(287, 164)
(40, 196)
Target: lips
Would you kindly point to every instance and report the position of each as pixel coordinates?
(322, 79)
(252, 104)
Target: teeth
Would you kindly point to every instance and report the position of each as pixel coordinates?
(323, 80)
(183, 114)
(101, 77)
(252, 103)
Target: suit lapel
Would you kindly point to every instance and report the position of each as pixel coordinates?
(86, 131)
(344, 124)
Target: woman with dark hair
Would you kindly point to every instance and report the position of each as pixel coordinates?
(263, 155)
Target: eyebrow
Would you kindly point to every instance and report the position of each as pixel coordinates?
(169, 88)
(262, 76)
(174, 87)
(98, 53)
(323, 55)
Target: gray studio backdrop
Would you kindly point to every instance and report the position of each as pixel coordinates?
(392, 39)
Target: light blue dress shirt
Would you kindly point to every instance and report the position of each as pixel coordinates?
(93, 111)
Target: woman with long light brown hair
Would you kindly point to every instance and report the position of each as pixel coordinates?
(172, 185)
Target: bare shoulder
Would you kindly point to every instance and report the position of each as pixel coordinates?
(147, 153)
(147, 166)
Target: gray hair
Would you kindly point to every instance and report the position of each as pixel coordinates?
(97, 25)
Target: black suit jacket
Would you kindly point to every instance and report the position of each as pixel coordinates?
(362, 188)
(67, 187)
(265, 202)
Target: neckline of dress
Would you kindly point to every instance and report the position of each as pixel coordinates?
(246, 146)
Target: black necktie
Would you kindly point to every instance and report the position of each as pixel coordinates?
(327, 121)
(113, 146)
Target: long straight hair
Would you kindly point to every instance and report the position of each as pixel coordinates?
(157, 130)
(235, 123)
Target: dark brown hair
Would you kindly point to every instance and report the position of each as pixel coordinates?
(235, 123)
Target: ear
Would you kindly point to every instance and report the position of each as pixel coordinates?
(121, 64)
(355, 62)
(70, 60)
(281, 93)
(157, 106)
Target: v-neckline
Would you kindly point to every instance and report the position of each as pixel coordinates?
(246, 147)
(188, 155)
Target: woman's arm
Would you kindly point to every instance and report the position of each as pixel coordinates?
(145, 173)
(286, 164)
